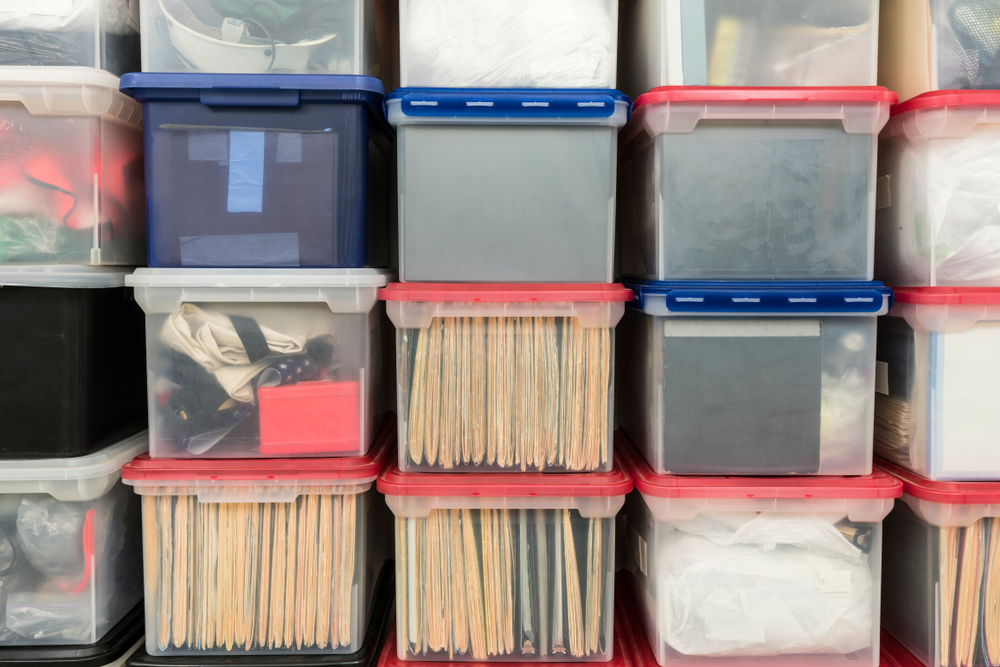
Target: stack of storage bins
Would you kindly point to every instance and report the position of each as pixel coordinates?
(268, 164)
(506, 487)
(746, 362)
(72, 395)
(937, 245)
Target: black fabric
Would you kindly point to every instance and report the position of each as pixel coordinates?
(253, 339)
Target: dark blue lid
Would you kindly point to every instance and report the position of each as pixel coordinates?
(287, 90)
(507, 102)
(762, 297)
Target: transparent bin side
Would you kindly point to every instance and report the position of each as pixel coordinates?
(507, 203)
(264, 380)
(519, 44)
(323, 37)
(505, 585)
(937, 217)
(69, 572)
(505, 393)
(749, 396)
(71, 189)
(750, 199)
(737, 582)
(76, 33)
(235, 577)
(748, 43)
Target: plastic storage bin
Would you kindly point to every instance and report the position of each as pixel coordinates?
(69, 531)
(273, 364)
(939, 382)
(941, 570)
(495, 377)
(72, 358)
(937, 221)
(750, 379)
(71, 33)
(750, 183)
(937, 44)
(507, 186)
(754, 570)
(261, 557)
(514, 44)
(71, 179)
(515, 568)
(265, 170)
(748, 43)
(243, 37)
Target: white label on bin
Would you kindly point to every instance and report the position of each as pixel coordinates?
(737, 327)
(835, 581)
(37, 7)
(208, 146)
(246, 172)
(289, 147)
(882, 377)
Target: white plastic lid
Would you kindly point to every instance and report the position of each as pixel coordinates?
(260, 278)
(69, 91)
(70, 276)
(72, 479)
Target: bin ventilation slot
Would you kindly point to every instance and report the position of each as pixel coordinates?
(690, 299)
(534, 104)
(424, 103)
(588, 105)
(803, 299)
(479, 104)
(746, 299)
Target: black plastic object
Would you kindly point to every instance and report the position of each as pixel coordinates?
(382, 617)
(72, 370)
(112, 646)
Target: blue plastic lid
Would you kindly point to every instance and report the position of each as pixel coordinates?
(511, 102)
(254, 89)
(778, 297)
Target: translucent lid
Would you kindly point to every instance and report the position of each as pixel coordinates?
(69, 91)
(251, 89)
(71, 276)
(876, 485)
(491, 293)
(948, 296)
(949, 493)
(766, 94)
(260, 277)
(759, 298)
(392, 482)
(505, 103)
(351, 470)
(939, 99)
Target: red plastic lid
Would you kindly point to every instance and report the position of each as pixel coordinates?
(948, 296)
(876, 485)
(503, 293)
(699, 94)
(937, 99)
(948, 493)
(332, 469)
(392, 482)
(892, 653)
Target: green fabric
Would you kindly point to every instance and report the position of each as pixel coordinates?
(31, 239)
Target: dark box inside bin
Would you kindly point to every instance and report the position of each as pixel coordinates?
(72, 370)
(265, 170)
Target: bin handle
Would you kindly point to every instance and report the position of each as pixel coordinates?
(241, 97)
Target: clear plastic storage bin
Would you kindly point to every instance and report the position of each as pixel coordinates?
(273, 364)
(504, 568)
(941, 570)
(507, 186)
(750, 379)
(261, 557)
(939, 382)
(938, 44)
(70, 33)
(750, 183)
(509, 44)
(938, 221)
(69, 534)
(755, 570)
(505, 377)
(270, 37)
(748, 43)
(71, 355)
(264, 170)
(71, 178)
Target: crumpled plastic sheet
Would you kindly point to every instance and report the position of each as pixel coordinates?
(510, 43)
(79, 18)
(768, 584)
